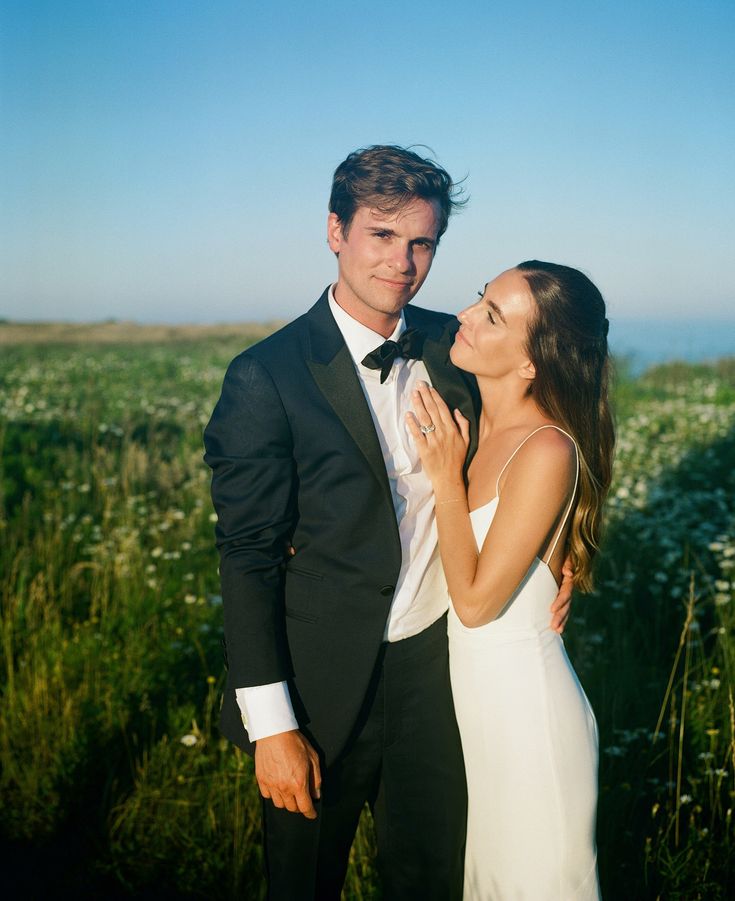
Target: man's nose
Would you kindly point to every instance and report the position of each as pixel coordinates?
(403, 258)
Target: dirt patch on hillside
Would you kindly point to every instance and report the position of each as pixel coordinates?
(127, 332)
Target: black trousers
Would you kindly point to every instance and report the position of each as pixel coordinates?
(405, 760)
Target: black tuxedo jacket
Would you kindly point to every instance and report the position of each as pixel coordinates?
(296, 460)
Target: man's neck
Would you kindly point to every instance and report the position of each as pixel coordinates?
(382, 323)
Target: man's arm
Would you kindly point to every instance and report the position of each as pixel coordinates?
(562, 604)
(249, 448)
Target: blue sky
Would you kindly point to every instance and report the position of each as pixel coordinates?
(171, 161)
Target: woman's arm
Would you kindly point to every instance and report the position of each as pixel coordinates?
(536, 490)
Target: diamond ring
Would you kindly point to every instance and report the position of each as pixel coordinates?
(426, 429)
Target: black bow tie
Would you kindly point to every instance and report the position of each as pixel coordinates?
(409, 345)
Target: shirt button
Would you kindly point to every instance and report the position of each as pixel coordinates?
(387, 590)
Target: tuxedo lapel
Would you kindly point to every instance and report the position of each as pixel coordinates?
(447, 379)
(333, 369)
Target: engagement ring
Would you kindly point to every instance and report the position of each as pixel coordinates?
(428, 428)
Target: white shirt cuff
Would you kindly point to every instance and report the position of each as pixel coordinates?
(266, 710)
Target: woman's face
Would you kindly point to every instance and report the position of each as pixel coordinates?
(492, 335)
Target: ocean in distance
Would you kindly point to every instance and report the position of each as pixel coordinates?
(645, 342)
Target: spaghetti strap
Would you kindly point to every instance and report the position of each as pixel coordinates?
(576, 481)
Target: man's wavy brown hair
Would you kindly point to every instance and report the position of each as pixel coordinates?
(386, 177)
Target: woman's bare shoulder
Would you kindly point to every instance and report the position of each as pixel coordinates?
(549, 454)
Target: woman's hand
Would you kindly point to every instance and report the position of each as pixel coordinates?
(442, 449)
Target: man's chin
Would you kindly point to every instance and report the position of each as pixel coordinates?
(392, 306)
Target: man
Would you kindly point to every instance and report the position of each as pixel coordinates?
(337, 654)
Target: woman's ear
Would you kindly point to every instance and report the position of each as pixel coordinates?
(527, 371)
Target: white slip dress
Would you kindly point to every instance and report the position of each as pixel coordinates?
(529, 739)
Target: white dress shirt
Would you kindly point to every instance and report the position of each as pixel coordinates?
(421, 595)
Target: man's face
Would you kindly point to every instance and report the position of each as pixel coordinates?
(383, 260)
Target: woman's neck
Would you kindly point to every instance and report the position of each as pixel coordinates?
(505, 405)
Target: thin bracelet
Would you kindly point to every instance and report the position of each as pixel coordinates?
(451, 500)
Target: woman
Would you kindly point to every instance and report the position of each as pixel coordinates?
(537, 343)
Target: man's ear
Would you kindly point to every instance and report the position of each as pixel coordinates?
(335, 236)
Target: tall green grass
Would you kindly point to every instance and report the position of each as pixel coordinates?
(114, 777)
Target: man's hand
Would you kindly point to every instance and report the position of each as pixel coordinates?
(562, 606)
(287, 770)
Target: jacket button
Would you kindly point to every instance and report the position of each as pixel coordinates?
(387, 590)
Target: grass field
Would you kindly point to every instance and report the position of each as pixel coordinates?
(115, 782)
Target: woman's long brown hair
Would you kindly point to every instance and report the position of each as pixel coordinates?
(567, 343)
